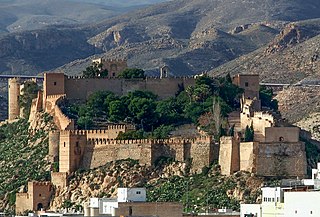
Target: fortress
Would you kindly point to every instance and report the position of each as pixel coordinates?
(275, 150)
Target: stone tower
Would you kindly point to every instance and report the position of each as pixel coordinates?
(164, 71)
(14, 93)
(54, 137)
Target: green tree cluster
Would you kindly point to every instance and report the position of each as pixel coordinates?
(95, 70)
(249, 134)
(153, 117)
(132, 73)
(266, 97)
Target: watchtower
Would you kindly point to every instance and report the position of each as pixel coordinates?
(13, 95)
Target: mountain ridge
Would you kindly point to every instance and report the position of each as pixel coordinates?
(187, 35)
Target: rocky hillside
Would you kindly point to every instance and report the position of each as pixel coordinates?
(22, 158)
(190, 36)
(32, 51)
(194, 36)
(297, 102)
(168, 181)
(292, 56)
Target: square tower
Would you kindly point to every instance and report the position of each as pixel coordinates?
(71, 148)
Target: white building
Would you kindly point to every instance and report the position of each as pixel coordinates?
(108, 206)
(132, 195)
(284, 202)
(315, 178)
(250, 210)
(302, 204)
(271, 204)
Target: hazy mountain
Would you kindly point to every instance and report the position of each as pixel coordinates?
(122, 3)
(190, 36)
(19, 15)
(195, 36)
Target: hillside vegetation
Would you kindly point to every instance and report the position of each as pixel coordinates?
(22, 158)
(167, 181)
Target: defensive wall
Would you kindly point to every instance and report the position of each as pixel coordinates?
(36, 106)
(52, 107)
(79, 150)
(81, 88)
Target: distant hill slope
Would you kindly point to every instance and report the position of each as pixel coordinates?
(20, 15)
(293, 56)
(190, 36)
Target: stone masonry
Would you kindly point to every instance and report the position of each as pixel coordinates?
(275, 150)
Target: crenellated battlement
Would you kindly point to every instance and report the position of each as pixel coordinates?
(103, 141)
(149, 78)
(115, 60)
(264, 115)
(36, 183)
(73, 133)
(56, 96)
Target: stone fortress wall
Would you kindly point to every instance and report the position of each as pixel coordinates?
(275, 150)
(99, 146)
(81, 88)
(78, 149)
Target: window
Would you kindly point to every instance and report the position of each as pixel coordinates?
(113, 74)
(39, 195)
(281, 139)
(138, 192)
(246, 84)
(64, 144)
(311, 212)
(296, 212)
(77, 144)
(54, 83)
(272, 199)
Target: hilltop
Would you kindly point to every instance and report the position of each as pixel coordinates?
(190, 36)
(19, 15)
(290, 57)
